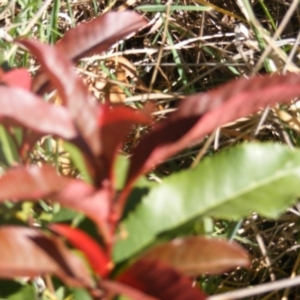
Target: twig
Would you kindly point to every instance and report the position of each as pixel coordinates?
(257, 290)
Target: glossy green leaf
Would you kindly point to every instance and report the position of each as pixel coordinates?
(251, 177)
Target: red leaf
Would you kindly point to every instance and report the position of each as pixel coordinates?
(117, 114)
(28, 252)
(19, 107)
(40, 182)
(31, 182)
(118, 288)
(93, 37)
(115, 123)
(94, 253)
(71, 89)
(200, 114)
(77, 42)
(94, 204)
(99, 34)
(18, 78)
(199, 255)
(160, 281)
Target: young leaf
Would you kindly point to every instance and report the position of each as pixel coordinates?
(40, 182)
(102, 128)
(94, 204)
(115, 123)
(77, 42)
(28, 252)
(94, 37)
(160, 281)
(199, 255)
(94, 253)
(200, 114)
(17, 78)
(99, 34)
(32, 182)
(228, 185)
(71, 89)
(19, 107)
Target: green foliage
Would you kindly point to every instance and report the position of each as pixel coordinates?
(25, 292)
(229, 185)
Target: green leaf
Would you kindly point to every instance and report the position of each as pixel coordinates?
(140, 189)
(81, 294)
(27, 292)
(64, 215)
(8, 146)
(250, 177)
(9, 287)
(120, 171)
